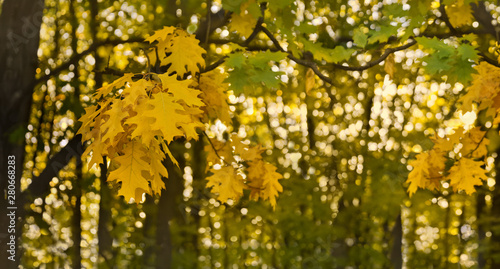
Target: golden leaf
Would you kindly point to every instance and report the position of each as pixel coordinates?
(465, 174)
(263, 181)
(418, 176)
(129, 173)
(214, 95)
(180, 89)
(165, 110)
(226, 183)
(185, 54)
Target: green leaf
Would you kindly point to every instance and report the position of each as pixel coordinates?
(233, 5)
(261, 60)
(394, 11)
(467, 52)
(253, 71)
(441, 49)
(306, 28)
(462, 71)
(339, 54)
(359, 37)
(435, 64)
(383, 34)
(236, 60)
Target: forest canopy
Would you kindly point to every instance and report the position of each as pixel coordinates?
(250, 134)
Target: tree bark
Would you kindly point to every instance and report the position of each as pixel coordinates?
(77, 219)
(167, 207)
(495, 219)
(396, 255)
(20, 22)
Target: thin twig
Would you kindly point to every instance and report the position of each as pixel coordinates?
(215, 150)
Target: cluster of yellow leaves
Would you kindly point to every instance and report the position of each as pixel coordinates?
(214, 95)
(468, 149)
(178, 49)
(132, 124)
(459, 157)
(484, 91)
(136, 116)
(229, 160)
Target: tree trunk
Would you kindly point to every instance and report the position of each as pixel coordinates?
(77, 218)
(20, 22)
(397, 243)
(170, 197)
(481, 233)
(105, 243)
(495, 218)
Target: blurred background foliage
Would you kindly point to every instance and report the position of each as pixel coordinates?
(342, 148)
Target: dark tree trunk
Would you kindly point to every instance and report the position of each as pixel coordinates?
(168, 207)
(481, 231)
(103, 231)
(397, 244)
(20, 22)
(77, 218)
(495, 218)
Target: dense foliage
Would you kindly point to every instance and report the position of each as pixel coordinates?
(264, 134)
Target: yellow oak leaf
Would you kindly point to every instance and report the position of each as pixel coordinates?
(134, 90)
(167, 150)
(130, 172)
(118, 83)
(98, 150)
(227, 183)
(112, 126)
(87, 119)
(180, 89)
(420, 173)
(443, 144)
(161, 35)
(437, 159)
(475, 143)
(216, 149)
(185, 54)
(140, 124)
(485, 88)
(165, 110)
(214, 95)
(465, 174)
(156, 169)
(263, 181)
(246, 152)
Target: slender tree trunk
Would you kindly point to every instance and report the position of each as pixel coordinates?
(397, 243)
(105, 240)
(77, 218)
(167, 207)
(481, 232)
(20, 22)
(198, 164)
(495, 217)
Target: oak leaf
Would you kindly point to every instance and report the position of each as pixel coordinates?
(263, 181)
(465, 174)
(129, 173)
(227, 183)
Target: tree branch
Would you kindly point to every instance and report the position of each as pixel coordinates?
(76, 57)
(40, 185)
